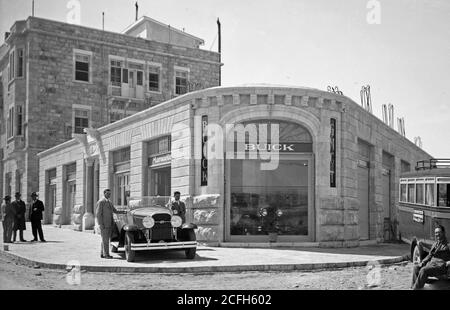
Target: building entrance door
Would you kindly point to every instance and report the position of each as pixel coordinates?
(268, 201)
(160, 181)
(71, 190)
(386, 183)
(363, 198)
(52, 201)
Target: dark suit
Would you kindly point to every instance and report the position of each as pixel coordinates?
(19, 221)
(179, 208)
(9, 214)
(37, 207)
(104, 214)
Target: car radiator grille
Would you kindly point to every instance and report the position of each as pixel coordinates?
(162, 231)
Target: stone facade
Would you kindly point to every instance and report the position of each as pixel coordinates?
(49, 95)
(334, 211)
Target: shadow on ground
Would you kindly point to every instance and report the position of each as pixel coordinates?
(164, 256)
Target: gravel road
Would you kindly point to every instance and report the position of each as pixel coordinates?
(394, 277)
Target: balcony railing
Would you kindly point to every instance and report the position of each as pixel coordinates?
(127, 92)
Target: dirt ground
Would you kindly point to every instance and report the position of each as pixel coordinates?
(394, 277)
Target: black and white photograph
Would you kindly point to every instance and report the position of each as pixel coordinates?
(224, 151)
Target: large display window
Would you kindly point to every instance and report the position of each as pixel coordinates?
(266, 201)
(263, 202)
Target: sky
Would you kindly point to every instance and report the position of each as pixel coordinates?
(403, 52)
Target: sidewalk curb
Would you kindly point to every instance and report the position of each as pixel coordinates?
(238, 268)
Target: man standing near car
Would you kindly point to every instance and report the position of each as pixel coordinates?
(37, 207)
(19, 221)
(104, 214)
(436, 263)
(178, 207)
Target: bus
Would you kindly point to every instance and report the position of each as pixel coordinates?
(424, 203)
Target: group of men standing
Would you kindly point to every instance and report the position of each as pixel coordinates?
(13, 216)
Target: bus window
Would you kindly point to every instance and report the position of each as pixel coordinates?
(443, 198)
(411, 193)
(429, 194)
(403, 192)
(419, 194)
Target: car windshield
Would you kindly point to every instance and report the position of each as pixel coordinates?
(148, 201)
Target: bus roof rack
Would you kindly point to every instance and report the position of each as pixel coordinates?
(433, 163)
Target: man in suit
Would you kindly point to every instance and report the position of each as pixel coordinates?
(104, 214)
(8, 219)
(436, 262)
(37, 207)
(19, 221)
(178, 207)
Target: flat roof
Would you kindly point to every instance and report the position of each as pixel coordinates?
(144, 19)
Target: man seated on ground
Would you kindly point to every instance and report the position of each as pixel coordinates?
(436, 262)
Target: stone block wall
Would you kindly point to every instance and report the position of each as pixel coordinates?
(206, 212)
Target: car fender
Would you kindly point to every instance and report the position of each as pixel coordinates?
(130, 227)
(188, 226)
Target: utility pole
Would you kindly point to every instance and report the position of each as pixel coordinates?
(137, 10)
(220, 51)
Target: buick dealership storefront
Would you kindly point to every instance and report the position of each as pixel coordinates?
(250, 162)
(277, 198)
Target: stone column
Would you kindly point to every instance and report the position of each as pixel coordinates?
(96, 182)
(88, 217)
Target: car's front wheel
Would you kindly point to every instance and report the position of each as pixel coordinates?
(129, 253)
(190, 253)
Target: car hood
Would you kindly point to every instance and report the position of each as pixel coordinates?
(149, 211)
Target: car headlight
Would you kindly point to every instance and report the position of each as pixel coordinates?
(176, 221)
(148, 222)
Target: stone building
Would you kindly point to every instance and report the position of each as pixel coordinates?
(333, 181)
(58, 79)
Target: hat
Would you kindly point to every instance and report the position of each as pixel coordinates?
(18, 194)
(34, 194)
(7, 197)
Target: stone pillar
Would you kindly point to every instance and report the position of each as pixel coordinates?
(88, 217)
(96, 182)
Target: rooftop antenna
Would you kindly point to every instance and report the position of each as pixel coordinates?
(385, 114)
(32, 8)
(137, 10)
(366, 98)
(391, 115)
(401, 126)
(334, 90)
(103, 21)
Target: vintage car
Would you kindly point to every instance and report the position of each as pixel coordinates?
(148, 226)
(424, 203)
